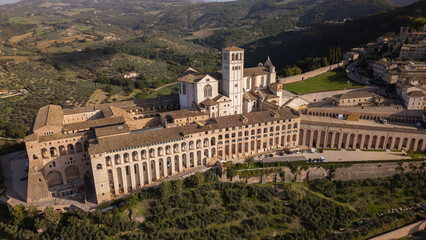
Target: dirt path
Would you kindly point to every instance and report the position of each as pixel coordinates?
(164, 86)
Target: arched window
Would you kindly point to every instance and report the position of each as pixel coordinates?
(99, 166)
(208, 91)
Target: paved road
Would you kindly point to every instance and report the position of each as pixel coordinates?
(351, 74)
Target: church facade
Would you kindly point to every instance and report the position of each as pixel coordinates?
(234, 90)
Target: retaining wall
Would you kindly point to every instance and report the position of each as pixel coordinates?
(311, 74)
(356, 171)
(402, 232)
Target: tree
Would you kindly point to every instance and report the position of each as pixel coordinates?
(199, 179)
(249, 161)
(51, 218)
(166, 189)
(178, 186)
(18, 213)
(331, 56)
(338, 53)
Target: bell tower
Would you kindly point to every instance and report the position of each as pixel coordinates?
(232, 77)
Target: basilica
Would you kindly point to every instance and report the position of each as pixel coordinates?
(234, 90)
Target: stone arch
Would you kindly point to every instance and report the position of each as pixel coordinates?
(177, 164)
(352, 141)
(137, 175)
(62, 150)
(72, 172)
(397, 142)
(169, 166)
(126, 157)
(308, 138)
(301, 132)
(153, 170)
(54, 178)
(161, 167)
(373, 142)
(117, 159)
(420, 146)
(135, 156)
(53, 152)
(389, 143)
(191, 160)
(412, 143)
(143, 154)
(160, 151)
(199, 156)
(322, 139)
(168, 150)
(184, 161)
(44, 153)
(314, 139)
(79, 147)
(382, 142)
(151, 152)
(405, 143)
(108, 161)
(70, 148)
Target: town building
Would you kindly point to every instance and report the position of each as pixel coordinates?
(359, 98)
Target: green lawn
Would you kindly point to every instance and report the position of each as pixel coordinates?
(165, 91)
(334, 80)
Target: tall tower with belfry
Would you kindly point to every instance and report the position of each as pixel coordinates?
(232, 77)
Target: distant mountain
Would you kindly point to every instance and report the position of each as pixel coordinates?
(248, 12)
(403, 2)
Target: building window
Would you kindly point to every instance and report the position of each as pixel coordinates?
(208, 91)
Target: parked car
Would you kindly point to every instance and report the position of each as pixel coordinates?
(271, 155)
(23, 177)
(73, 195)
(27, 166)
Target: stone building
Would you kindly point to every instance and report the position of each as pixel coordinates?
(234, 90)
(324, 130)
(111, 149)
(358, 99)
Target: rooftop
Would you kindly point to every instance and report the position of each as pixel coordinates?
(175, 133)
(233, 48)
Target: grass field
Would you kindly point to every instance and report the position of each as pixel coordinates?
(334, 80)
(165, 91)
(16, 39)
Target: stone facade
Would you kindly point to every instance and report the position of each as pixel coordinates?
(113, 149)
(324, 132)
(234, 90)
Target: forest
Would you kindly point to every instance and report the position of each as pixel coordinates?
(202, 207)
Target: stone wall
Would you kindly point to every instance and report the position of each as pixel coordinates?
(310, 74)
(356, 171)
(402, 232)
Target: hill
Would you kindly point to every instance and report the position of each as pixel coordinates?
(288, 47)
(403, 2)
